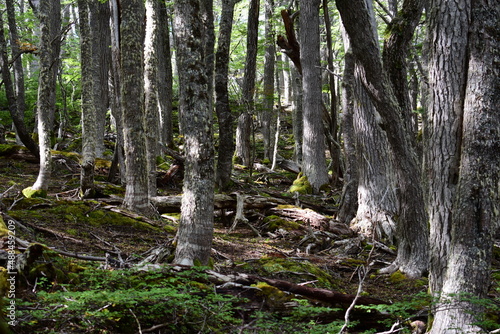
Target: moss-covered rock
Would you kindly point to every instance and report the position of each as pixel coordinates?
(276, 222)
(301, 185)
(33, 193)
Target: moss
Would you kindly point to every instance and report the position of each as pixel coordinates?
(276, 222)
(102, 163)
(4, 231)
(301, 185)
(9, 149)
(81, 213)
(268, 266)
(274, 297)
(397, 277)
(31, 193)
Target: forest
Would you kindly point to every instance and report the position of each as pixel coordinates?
(250, 166)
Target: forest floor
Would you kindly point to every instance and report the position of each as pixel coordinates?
(275, 247)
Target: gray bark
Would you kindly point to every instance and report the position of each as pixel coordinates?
(89, 116)
(49, 14)
(268, 98)
(18, 63)
(475, 208)
(412, 231)
(377, 201)
(313, 146)
(151, 84)
(443, 126)
(243, 132)
(132, 105)
(349, 200)
(194, 237)
(222, 108)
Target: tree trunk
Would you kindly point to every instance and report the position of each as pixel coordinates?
(224, 115)
(88, 40)
(268, 103)
(313, 146)
(100, 25)
(18, 64)
(475, 209)
(244, 129)
(377, 201)
(14, 101)
(49, 13)
(194, 238)
(132, 105)
(444, 122)
(333, 142)
(151, 85)
(349, 200)
(412, 231)
(118, 165)
(165, 88)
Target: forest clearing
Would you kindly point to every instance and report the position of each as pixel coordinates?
(250, 166)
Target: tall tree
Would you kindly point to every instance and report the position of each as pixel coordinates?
(474, 211)
(225, 118)
(11, 95)
(49, 13)
(377, 200)
(165, 80)
(100, 22)
(313, 146)
(151, 84)
(269, 61)
(18, 60)
(333, 141)
(244, 129)
(88, 53)
(194, 237)
(132, 105)
(444, 122)
(349, 199)
(412, 229)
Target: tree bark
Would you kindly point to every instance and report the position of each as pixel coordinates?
(226, 141)
(248, 90)
(349, 200)
(88, 39)
(444, 121)
(49, 13)
(151, 84)
(17, 66)
(165, 88)
(132, 105)
(313, 146)
(14, 101)
(377, 201)
(194, 238)
(475, 209)
(412, 231)
(268, 102)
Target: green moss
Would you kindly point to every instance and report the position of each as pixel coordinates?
(274, 297)
(276, 222)
(301, 185)
(8, 149)
(269, 266)
(31, 193)
(397, 277)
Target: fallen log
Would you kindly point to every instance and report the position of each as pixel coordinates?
(165, 204)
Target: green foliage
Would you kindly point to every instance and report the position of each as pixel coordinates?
(113, 300)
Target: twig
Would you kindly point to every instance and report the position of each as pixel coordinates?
(358, 293)
(136, 320)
